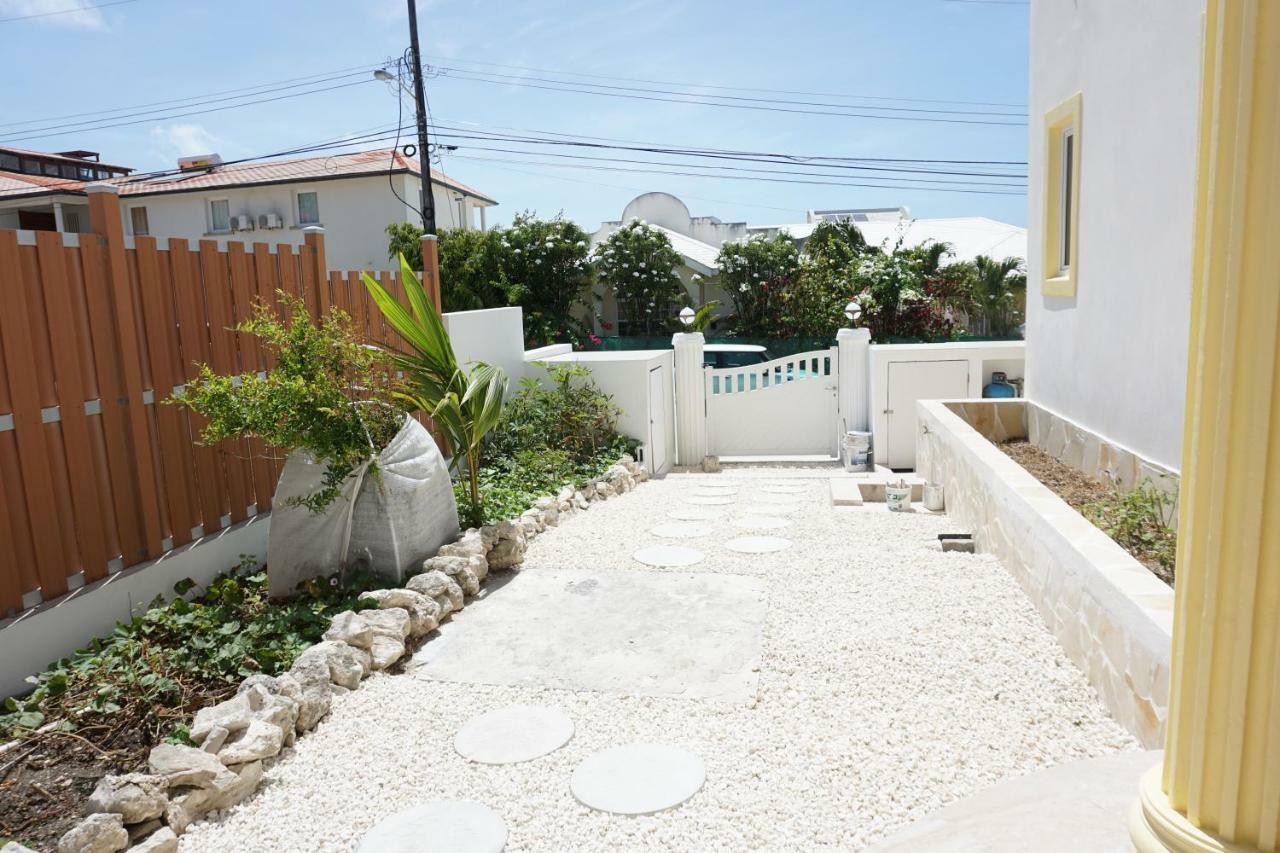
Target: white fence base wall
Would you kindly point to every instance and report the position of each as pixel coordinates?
(44, 634)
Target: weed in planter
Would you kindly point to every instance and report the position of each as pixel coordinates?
(1141, 520)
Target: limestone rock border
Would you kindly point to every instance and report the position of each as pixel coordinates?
(235, 738)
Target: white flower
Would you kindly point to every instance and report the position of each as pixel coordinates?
(642, 265)
(581, 245)
(635, 275)
(517, 251)
(743, 287)
(537, 261)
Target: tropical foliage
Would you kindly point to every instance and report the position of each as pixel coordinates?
(998, 293)
(464, 404)
(757, 274)
(328, 394)
(538, 264)
(638, 264)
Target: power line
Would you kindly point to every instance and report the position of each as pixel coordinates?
(38, 133)
(516, 81)
(259, 88)
(795, 157)
(448, 68)
(66, 11)
(759, 157)
(735, 177)
(563, 73)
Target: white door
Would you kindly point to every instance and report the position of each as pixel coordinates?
(908, 382)
(657, 422)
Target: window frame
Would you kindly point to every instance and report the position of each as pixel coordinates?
(297, 208)
(1060, 257)
(213, 229)
(133, 225)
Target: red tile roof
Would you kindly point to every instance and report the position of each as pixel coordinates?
(242, 174)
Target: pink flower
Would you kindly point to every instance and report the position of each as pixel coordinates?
(595, 339)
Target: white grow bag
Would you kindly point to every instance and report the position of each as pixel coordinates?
(388, 522)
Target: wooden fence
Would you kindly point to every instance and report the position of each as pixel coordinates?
(97, 475)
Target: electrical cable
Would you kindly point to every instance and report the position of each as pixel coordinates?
(66, 11)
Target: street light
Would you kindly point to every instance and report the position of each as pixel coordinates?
(853, 311)
(384, 75)
(686, 316)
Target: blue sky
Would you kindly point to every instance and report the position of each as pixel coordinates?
(138, 52)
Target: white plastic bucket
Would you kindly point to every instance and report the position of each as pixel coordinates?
(857, 451)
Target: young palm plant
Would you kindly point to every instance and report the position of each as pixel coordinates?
(465, 404)
(998, 287)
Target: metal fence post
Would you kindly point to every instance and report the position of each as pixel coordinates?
(691, 399)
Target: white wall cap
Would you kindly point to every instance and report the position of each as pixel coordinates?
(101, 187)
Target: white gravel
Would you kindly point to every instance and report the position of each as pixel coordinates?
(895, 679)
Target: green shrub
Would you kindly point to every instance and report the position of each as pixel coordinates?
(328, 394)
(155, 670)
(756, 274)
(572, 417)
(1142, 522)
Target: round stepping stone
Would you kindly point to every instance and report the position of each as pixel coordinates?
(512, 735)
(681, 531)
(714, 491)
(769, 509)
(760, 522)
(688, 513)
(667, 555)
(707, 500)
(437, 826)
(757, 544)
(638, 778)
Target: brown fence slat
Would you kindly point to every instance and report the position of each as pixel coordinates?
(37, 475)
(217, 287)
(71, 398)
(104, 215)
(115, 429)
(193, 338)
(160, 334)
(244, 288)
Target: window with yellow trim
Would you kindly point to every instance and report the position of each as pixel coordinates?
(1061, 198)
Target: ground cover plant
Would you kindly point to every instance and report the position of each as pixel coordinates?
(107, 704)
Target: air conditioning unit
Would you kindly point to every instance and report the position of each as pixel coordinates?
(242, 223)
(274, 221)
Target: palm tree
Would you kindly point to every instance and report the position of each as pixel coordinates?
(999, 291)
(464, 404)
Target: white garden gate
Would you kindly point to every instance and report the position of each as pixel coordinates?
(787, 406)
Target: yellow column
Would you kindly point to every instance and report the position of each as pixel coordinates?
(1219, 787)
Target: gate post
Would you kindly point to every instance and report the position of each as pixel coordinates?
(854, 360)
(691, 399)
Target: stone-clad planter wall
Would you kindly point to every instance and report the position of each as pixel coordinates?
(1111, 615)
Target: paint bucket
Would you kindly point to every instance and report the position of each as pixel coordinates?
(933, 498)
(857, 451)
(897, 497)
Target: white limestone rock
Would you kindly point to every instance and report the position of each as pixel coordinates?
(136, 797)
(182, 766)
(260, 740)
(214, 740)
(440, 587)
(190, 803)
(15, 847)
(424, 612)
(508, 550)
(163, 840)
(471, 543)
(580, 500)
(390, 627)
(349, 627)
(232, 714)
(346, 665)
(98, 833)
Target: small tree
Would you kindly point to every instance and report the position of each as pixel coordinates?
(473, 270)
(839, 243)
(549, 275)
(998, 295)
(465, 404)
(405, 239)
(756, 273)
(638, 264)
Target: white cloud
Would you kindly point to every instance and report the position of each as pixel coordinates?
(63, 13)
(183, 140)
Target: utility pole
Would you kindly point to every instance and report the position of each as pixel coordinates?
(427, 198)
(430, 249)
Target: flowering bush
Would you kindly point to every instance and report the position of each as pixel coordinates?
(638, 264)
(756, 274)
(549, 271)
(906, 293)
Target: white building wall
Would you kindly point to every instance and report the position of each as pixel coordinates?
(354, 212)
(1113, 358)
